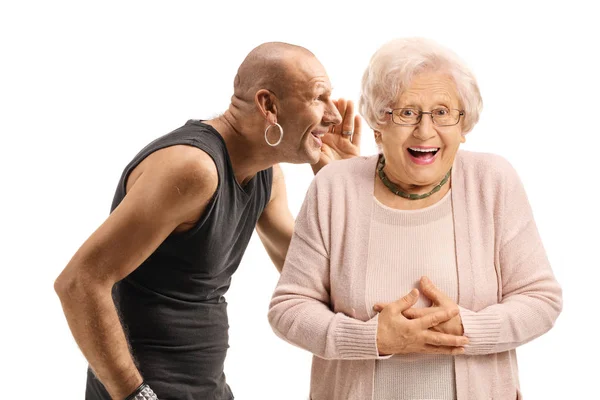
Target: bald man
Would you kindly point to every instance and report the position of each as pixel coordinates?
(144, 295)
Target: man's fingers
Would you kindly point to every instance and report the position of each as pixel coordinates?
(348, 121)
(408, 301)
(357, 130)
(437, 317)
(341, 106)
(444, 339)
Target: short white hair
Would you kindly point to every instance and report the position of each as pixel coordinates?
(392, 68)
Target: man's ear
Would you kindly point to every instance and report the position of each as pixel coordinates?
(266, 101)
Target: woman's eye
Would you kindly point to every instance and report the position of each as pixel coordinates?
(441, 112)
(408, 113)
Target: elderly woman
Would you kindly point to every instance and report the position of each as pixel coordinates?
(451, 228)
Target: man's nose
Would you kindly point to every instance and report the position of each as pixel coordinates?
(332, 115)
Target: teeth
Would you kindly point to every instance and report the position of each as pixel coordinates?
(424, 150)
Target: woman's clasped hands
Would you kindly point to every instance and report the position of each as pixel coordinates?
(433, 330)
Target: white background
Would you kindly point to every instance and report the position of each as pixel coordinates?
(85, 85)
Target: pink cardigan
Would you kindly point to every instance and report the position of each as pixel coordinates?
(507, 292)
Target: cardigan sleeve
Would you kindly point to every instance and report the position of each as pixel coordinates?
(300, 310)
(531, 296)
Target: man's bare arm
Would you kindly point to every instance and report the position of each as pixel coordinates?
(276, 224)
(172, 190)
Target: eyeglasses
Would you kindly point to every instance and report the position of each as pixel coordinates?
(440, 116)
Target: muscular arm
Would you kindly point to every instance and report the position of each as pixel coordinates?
(172, 190)
(276, 224)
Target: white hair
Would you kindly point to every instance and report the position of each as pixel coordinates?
(394, 65)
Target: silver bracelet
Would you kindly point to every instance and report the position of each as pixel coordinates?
(143, 393)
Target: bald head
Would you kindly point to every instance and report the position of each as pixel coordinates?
(274, 66)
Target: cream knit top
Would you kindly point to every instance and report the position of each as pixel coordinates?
(403, 246)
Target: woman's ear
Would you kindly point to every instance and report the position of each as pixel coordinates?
(377, 135)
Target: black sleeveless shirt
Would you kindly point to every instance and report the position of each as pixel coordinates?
(172, 307)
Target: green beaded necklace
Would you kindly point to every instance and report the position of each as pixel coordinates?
(397, 191)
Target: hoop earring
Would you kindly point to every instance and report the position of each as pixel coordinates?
(280, 134)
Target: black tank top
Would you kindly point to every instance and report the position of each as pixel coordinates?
(172, 307)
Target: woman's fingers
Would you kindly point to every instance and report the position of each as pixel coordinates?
(443, 339)
(414, 313)
(437, 317)
(453, 351)
(380, 306)
(433, 293)
(407, 301)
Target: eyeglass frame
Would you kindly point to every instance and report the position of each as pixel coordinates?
(420, 117)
